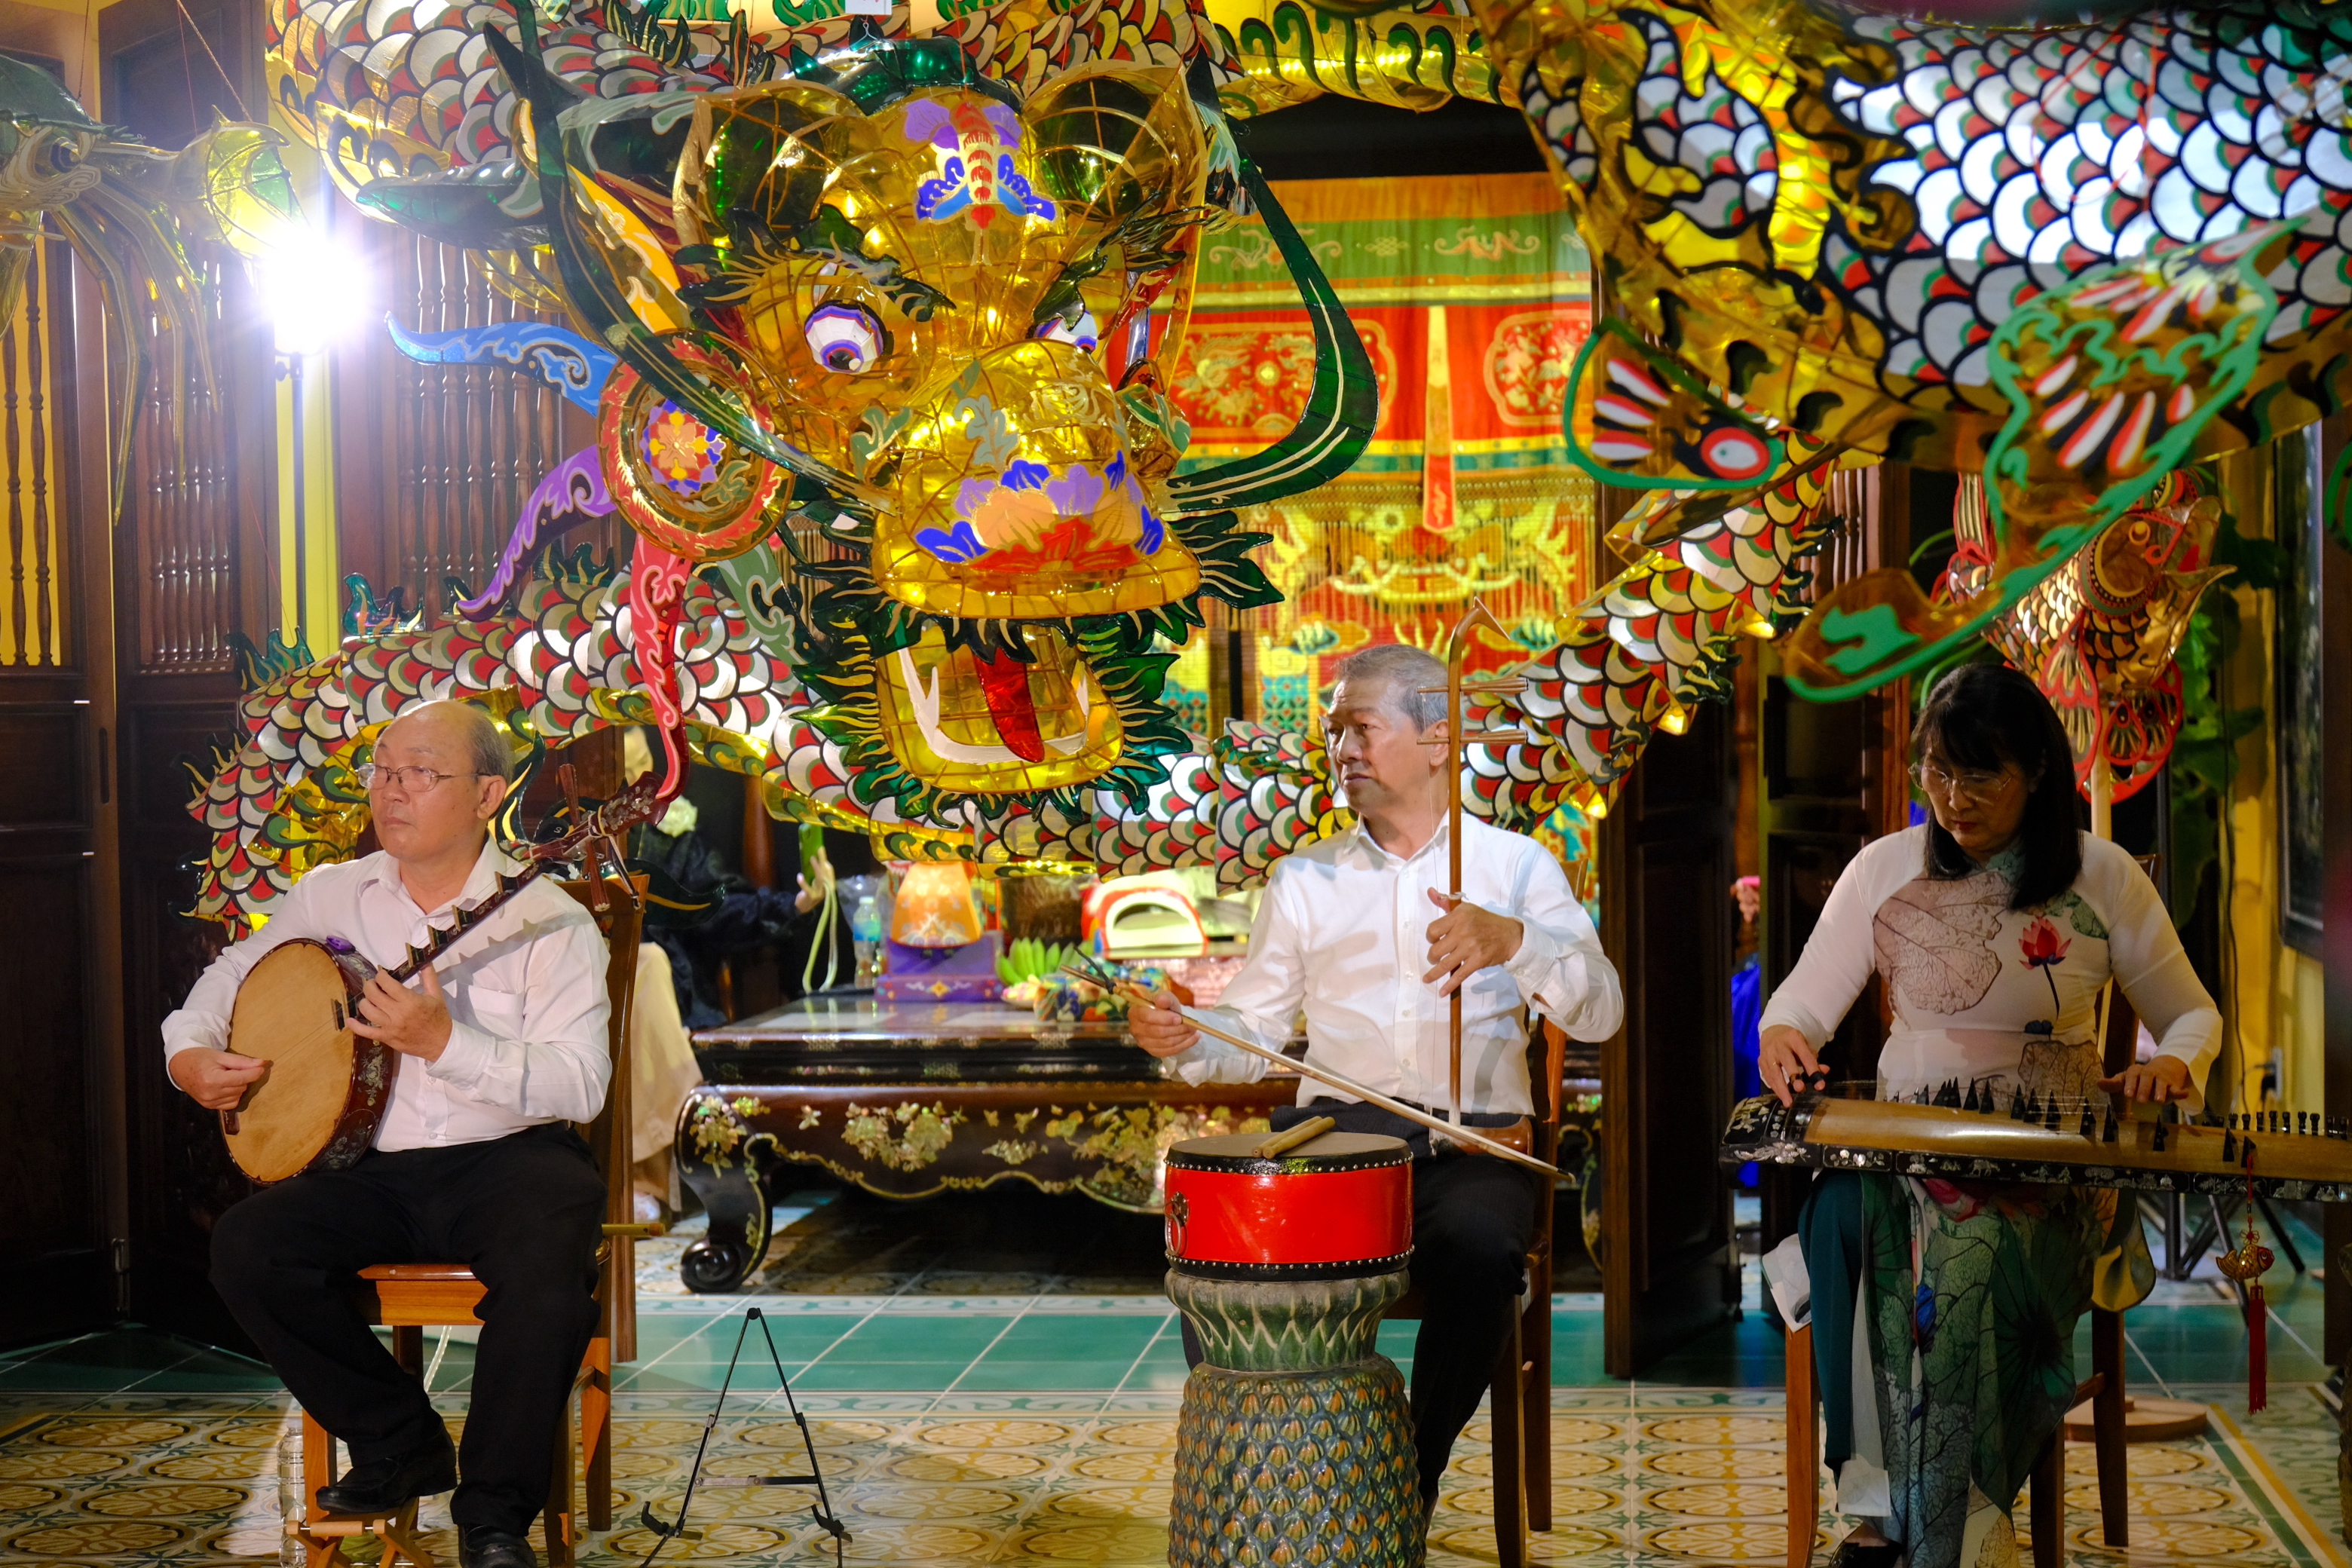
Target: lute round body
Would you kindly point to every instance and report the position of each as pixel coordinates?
(317, 1107)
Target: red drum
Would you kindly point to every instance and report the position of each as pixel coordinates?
(1337, 1205)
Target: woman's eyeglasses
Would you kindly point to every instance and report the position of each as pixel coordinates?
(1972, 786)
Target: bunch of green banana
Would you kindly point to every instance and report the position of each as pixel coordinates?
(1028, 957)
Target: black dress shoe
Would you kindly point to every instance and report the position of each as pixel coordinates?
(485, 1546)
(381, 1486)
(1853, 1553)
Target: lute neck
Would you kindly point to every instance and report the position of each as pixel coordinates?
(467, 919)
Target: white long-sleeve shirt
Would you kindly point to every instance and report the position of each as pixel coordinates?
(1987, 994)
(528, 1008)
(1343, 933)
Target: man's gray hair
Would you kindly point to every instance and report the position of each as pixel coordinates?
(487, 751)
(1400, 671)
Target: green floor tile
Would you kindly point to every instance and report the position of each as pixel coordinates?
(993, 1375)
(852, 1377)
(1044, 1337)
(884, 1338)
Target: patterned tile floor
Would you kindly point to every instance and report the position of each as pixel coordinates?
(981, 1407)
(1645, 1474)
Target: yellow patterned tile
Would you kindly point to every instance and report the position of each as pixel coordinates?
(784, 1434)
(2159, 1497)
(718, 1541)
(911, 1543)
(1730, 1500)
(215, 1464)
(15, 1497)
(982, 1465)
(246, 1434)
(1110, 1502)
(57, 1465)
(1129, 1466)
(178, 1501)
(1743, 1542)
(1105, 1543)
(97, 1538)
(931, 1502)
(1139, 1434)
(655, 1434)
(116, 1433)
(999, 1434)
(2144, 1459)
(2176, 1536)
(1562, 1542)
(1716, 1463)
(1717, 1430)
(1567, 1502)
(1579, 1429)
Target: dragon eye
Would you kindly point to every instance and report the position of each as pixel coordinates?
(1082, 334)
(847, 338)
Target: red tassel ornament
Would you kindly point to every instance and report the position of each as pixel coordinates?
(2246, 1267)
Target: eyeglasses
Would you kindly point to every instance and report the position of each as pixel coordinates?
(1975, 786)
(412, 781)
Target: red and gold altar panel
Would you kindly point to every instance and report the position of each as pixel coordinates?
(1473, 297)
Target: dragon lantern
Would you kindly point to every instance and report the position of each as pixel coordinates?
(875, 327)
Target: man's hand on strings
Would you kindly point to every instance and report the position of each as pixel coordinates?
(2153, 1082)
(217, 1081)
(1786, 1062)
(1466, 939)
(413, 1023)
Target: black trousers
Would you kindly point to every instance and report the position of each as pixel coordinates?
(1472, 1217)
(524, 1213)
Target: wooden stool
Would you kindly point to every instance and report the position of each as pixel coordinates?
(397, 1530)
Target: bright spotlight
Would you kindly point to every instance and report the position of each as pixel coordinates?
(315, 289)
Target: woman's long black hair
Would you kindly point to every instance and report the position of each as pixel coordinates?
(1988, 716)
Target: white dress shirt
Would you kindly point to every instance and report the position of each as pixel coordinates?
(527, 1007)
(1343, 933)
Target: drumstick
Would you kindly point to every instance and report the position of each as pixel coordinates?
(1336, 1081)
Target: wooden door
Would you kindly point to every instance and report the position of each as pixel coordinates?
(192, 566)
(1666, 1263)
(61, 1225)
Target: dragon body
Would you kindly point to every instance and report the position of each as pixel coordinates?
(913, 508)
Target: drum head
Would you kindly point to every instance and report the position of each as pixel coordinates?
(1327, 1151)
(290, 1012)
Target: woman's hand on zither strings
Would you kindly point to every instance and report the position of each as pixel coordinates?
(2155, 1081)
(413, 1023)
(1785, 1061)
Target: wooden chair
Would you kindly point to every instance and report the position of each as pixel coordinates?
(2046, 1510)
(1520, 1399)
(410, 1297)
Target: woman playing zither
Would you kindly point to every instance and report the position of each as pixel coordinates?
(1994, 927)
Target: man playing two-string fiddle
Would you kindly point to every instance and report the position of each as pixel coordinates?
(1995, 926)
(1359, 932)
(502, 1048)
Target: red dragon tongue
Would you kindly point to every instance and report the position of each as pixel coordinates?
(1005, 681)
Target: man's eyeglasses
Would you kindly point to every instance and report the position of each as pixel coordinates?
(411, 781)
(1970, 786)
